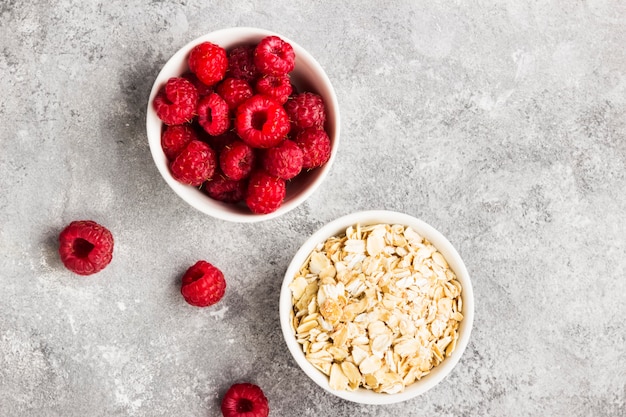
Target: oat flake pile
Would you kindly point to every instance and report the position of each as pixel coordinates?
(377, 308)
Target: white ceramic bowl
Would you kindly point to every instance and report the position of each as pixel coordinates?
(337, 227)
(308, 75)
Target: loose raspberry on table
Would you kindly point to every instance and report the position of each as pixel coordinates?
(283, 160)
(265, 192)
(195, 164)
(174, 139)
(276, 86)
(237, 160)
(306, 110)
(274, 56)
(176, 102)
(85, 247)
(234, 91)
(261, 122)
(316, 147)
(245, 400)
(221, 188)
(241, 63)
(209, 62)
(203, 284)
(213, 114)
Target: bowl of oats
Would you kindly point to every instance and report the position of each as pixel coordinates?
(376, 307)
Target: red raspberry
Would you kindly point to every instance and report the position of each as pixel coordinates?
(208, 61)
(315, 145)
(176, 102)
(275, 86)
(213, 114)
(306, 110)
(202, 88)
(195, 164)
(283, 160)
(221, 188)
(234, 91)
(261, 122)
(203, 284)
(241, 63)
(245, 400)
(85, 247)
(237, 160)
(265, 193)
(175, 138)
(274, 56)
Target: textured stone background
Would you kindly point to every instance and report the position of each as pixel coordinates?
(500, 123)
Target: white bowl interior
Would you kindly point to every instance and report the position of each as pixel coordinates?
(307, 76)
(338, 227)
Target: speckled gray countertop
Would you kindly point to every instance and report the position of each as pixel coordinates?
(502, 124)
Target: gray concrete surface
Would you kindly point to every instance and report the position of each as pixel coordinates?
(502, 124)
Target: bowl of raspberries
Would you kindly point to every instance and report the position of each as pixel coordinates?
(243, 124)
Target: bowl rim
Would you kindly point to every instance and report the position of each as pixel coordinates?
(190, 195)
(338, 226)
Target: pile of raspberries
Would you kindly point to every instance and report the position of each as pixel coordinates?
(236, 127)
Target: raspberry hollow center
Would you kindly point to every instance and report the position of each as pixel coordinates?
(82, 247)
(196, 275)
(244, 405)
(278, 51)
(258, 120)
